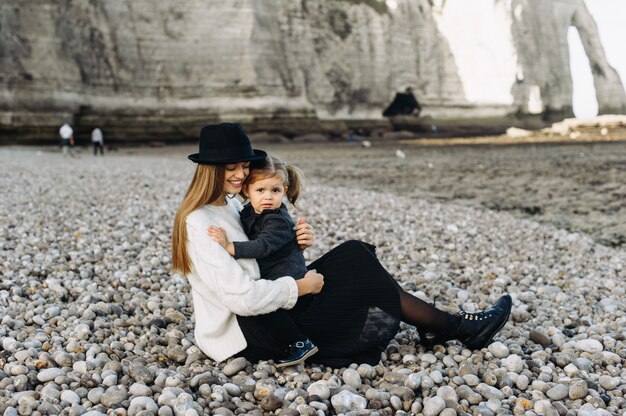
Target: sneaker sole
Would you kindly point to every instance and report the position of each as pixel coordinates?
(309, 354)
(488, 341)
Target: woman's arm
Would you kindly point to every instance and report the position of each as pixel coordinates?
(268, 241)
(221, 277)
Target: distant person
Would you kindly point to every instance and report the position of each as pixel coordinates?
(98, 141)
(268, 225)
(358, 136)
(67, 139)
(351, 136)
(404, 103)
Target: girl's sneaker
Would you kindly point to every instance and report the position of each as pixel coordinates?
(297, 353)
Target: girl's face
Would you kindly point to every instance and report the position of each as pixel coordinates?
(266, 193)
(234, 175)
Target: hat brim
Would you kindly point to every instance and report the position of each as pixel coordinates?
(258, 155)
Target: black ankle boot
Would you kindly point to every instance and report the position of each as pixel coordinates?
(476, 330)
(429, 339)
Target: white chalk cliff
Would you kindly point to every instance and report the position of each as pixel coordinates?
(162, 68)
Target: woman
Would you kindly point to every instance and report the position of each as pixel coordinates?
(351, 307)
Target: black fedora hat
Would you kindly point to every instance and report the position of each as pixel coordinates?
(225, 143)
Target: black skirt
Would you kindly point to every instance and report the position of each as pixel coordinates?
(351, 320)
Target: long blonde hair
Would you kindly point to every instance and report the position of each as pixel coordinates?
(205, 188)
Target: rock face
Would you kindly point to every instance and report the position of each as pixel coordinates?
(147, 69)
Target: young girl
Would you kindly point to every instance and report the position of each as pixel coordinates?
(269, 227)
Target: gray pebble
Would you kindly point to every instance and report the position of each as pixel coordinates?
(433, 406)
(351, 377)
(319, 389)
(539, 337)
(498, 349)
(449, 396)
(413, 381)
(346, 401)
(608, 382)
(70, 397)
(558, 392)
(139, 389)
(489, 392)
(49, 374)
(235, 366)
(113, 397)
(141, 374)
(471, 380)
(94, 395)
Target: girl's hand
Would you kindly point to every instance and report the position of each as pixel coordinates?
(311, 283)
(305, 236)
(219, 236)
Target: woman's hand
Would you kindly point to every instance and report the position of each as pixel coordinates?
(305, 236)
(310, 284)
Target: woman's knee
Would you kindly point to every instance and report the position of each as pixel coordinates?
(357, 244)
(352, 243)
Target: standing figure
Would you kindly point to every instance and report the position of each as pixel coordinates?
(67, 139)
(98, 141)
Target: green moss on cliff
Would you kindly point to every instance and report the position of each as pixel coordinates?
(379, 6)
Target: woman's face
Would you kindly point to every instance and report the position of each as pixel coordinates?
(235, 173)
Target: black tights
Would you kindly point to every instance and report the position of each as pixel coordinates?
(424, 316)
(360, 258)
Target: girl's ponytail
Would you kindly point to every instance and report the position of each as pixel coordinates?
(295, 180)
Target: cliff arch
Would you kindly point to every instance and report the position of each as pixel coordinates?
(539, 32)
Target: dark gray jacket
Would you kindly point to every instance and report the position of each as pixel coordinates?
(272, 243)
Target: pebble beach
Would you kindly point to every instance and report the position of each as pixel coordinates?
(94, 322)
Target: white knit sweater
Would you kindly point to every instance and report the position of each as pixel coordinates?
(223, 287)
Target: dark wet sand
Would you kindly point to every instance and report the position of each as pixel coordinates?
(578, 187)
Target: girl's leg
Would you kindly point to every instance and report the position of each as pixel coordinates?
(268, 336)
